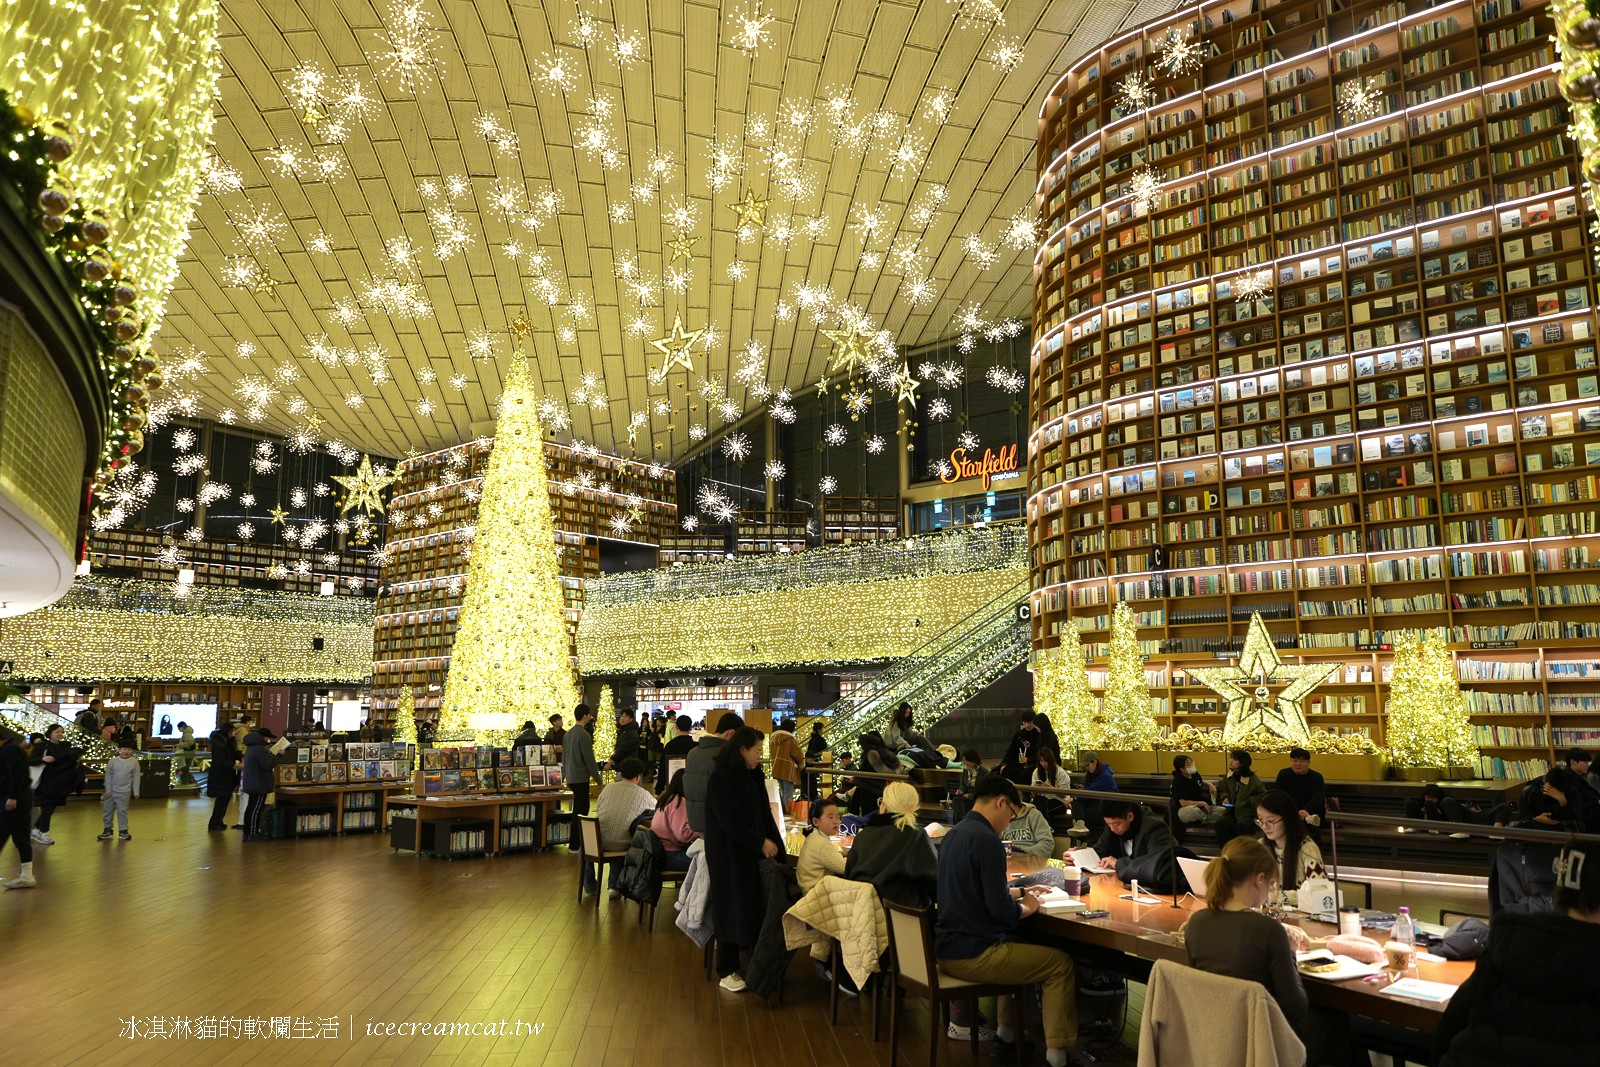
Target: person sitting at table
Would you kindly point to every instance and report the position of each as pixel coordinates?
(620, 805)
(670, 823)
(977, 914)
(1534, 996)
(1136, 845)
(1233, 939)
(1305, 785)
(1097, 774)
(1551, 801)
(1239, 793)
(893, 852)
(819, 856)
(676, 749)
(1292, 847)
(1029, 833)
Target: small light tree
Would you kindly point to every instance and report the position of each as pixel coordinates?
(1426, 715)
(1125, 708)
(1061, 693)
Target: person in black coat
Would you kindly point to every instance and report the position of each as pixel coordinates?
(678, 748)
(528, 736)
(1022, 755)
(16, 804)
(1534, 996)
(1136, 845)
(739, 833)
(222, 780)
(57, 782)
(256, 781)
(627, 738)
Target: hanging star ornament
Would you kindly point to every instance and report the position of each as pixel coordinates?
(279, 516)
(849, 346)
(1262, 692)
(752, 210)
(682, 247)
(905, 386)
(675, 346)
(362, 488)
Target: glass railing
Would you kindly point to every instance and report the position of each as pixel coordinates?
(944, 673)
(994, 547)
(26, 717)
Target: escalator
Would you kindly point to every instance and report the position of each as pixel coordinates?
(945, 672)
(26, 717)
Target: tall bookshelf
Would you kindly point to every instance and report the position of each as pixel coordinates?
(432, 512)
(1341, 370)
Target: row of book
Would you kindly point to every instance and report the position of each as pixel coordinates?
(473, 779)
(338, 773)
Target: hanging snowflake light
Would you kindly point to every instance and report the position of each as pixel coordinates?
(246, 530)
(828, 484)
(775, 469)
(1252, 286)
(1360, 98)
(876, 444)
(938, 409)
(1144, 190)
(750, 31)
(1023, 230)
(621, 525)
(967, 439)
(1007, 53)
(736, 446)
(1135, 93)
(784, 413)
(834, 435)
(1180, 53)
(411, 54)
(940, 468)
(690, 523)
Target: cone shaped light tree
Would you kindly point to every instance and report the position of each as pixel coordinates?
(405, 724)
(1426, 715)
(1061, 692)
(1125, 710)
(605, 732)
(511, 654)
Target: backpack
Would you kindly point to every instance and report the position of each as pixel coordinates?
(640, 877)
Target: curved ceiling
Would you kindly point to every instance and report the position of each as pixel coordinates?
(396, 184)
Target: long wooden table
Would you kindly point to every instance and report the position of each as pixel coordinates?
(1146, 931)
(442, 808)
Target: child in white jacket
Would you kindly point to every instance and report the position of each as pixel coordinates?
(121, 788)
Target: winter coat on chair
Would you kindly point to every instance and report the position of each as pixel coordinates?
(257, 770)
(770, 958)
(222, 779)
(738, 820)
(60, 778)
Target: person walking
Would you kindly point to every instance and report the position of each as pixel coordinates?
(16, 791)
(120, 790)
(739, 833)
(255, 781)
(787, 759)
(222, 780)
(57, 780)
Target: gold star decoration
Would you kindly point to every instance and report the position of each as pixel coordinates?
(682, 247)
(849, 346)
(362, 488)
(1255, 690)
(752, 210)
(520, 329)
(313, 423)
(675, 346)
(279, 516)
(905, 387)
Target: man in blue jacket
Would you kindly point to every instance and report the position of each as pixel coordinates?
(978, 912)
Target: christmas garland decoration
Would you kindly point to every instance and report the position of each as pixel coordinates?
(79, 237)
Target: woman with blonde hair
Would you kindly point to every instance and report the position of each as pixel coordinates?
(893, 853)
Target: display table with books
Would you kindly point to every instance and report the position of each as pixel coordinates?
(474, 824)
(350, 808)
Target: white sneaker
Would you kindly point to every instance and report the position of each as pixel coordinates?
(733, 983)
(964, 1033)
(25, 881)
(612, 894)
(41, 838)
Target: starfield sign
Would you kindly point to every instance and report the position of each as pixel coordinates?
(994, 465)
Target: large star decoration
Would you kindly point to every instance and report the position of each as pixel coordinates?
(752, 210)
(362, 488)
(849, 346)
(905, 385)
(1248, 689)
(675, 346)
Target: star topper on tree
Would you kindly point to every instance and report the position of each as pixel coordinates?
(1255, 691)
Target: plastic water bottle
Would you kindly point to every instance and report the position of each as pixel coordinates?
(1405, 932)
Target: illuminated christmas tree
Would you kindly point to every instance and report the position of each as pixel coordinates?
(511, 657)
(405, 725)
(1426, 715)
(605, 732)
(1125, 709)
(1061, 693)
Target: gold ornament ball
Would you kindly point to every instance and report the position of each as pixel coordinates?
(144, 365)
(93, 270)
(57, 148)
(124, 295)
(25, 114)
(153, 380)
(134, 393)
(135, 442)
(125, 330)
(52, 223)
(54, 201)
(95, 231)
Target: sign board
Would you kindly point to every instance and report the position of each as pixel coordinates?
(1497, 644)
(1024, 611)
(995, 465)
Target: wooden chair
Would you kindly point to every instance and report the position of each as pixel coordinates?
(592, 856)
(672, 878)
(1450, 916)
(917, 969)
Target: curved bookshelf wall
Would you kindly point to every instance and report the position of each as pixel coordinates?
(1339, 369)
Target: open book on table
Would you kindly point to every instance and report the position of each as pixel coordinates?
(1089, 860)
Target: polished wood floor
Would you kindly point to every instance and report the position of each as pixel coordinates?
(185, 924)
(180, 923)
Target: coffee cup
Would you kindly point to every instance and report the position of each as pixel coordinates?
(1399, 957)
(1070, 877)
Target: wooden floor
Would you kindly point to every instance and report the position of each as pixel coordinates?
(183, 923)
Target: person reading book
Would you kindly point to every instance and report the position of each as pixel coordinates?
(1135, 846)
